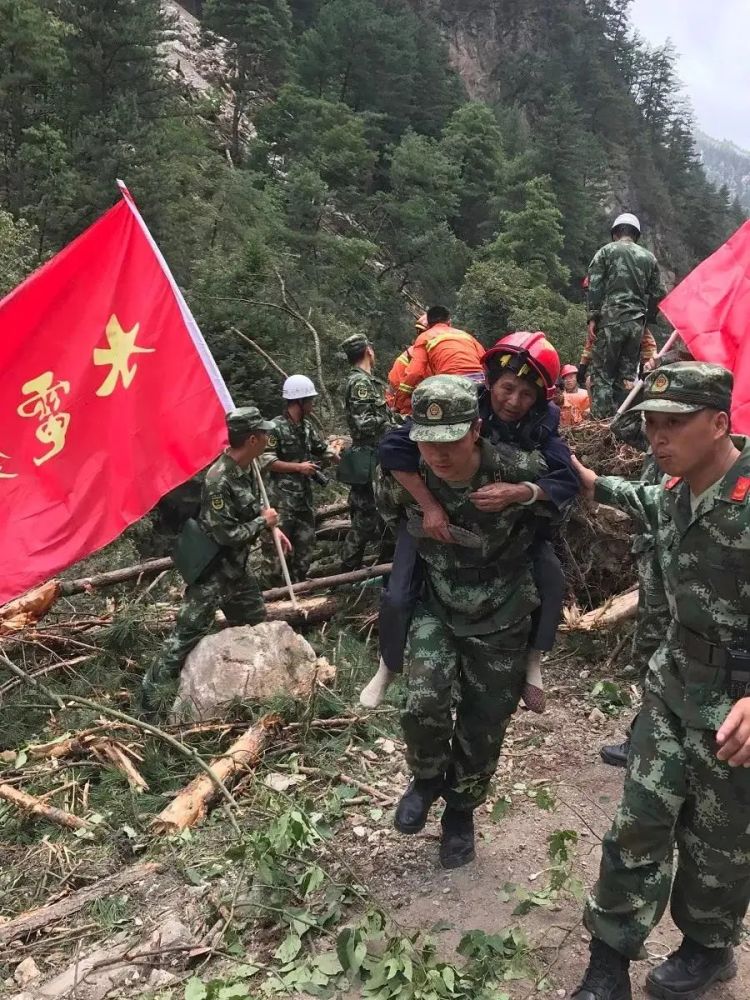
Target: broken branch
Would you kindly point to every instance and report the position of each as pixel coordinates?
(27, 803)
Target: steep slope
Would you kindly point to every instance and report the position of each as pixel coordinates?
(726, 164)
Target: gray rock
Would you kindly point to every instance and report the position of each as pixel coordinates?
(247, 664)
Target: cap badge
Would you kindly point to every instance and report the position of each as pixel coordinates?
(660, 383)
(434, 411)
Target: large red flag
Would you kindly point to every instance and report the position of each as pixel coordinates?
(109, 398)
(710, 310)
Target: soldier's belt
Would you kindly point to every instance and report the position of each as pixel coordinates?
(473, 574)
(735, 662)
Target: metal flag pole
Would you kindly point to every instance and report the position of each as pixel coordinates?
(276, 538)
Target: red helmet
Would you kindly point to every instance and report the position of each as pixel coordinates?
(569, 370)
(529, 355)
(421, 323)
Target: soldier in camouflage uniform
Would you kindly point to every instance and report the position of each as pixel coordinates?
(471, 625)
(368, 418)
(623, 291)
(231, 517)
(293, 457)
(685, 785)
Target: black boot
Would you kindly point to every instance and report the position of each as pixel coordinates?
(616, 755)
(689, 971)
(457, 843)
(414, 805)
(607, 976)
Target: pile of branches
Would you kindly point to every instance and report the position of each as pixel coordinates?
(596, 542)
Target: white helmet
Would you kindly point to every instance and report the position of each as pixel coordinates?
(299, 387)
(627, 220)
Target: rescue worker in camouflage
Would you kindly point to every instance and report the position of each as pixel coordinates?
(231, 516)
(471, 625)
(368, 418)
(687, 784)
(624, 289)
(293, 457)
(652, 618)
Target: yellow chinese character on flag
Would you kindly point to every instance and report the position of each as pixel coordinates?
(6, 475)
(44, 403)
(121, 346)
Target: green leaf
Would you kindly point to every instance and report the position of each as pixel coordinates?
(311, 880)
(21, 758)
(289, 948)
(195, 989)
(193, 876)
(545, 800)
(501, 809)
(449, 977)
(329, 963)
(235, 992)
(441, 925)
(559, 842)
(246, 971)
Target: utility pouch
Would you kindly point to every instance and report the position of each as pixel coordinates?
(738, 673)
(194, 552)
(357, 466)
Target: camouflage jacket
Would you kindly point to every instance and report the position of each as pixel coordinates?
(290, 442)
(230, 509)
(704, 560)
(367, 415)
(476, 590)
(624, 283)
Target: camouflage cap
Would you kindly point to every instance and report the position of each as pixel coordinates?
(686, 387)
(354, 345)
(443, 408)
(247, 419)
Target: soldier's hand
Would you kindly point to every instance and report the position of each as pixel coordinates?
(497, 496)
(286, 545)
(592, 329)
(270, 516)
(587, 476)
(307, 468)
(435, 523)
(734, 736)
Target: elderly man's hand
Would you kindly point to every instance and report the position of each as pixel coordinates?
(497, 496)
(587, 476)
(734, 736)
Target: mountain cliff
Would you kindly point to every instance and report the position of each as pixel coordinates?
(726, 165)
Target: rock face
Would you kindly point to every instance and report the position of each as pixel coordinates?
(247, 664)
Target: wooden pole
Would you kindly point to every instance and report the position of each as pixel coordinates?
(276, 538)
(637, 387)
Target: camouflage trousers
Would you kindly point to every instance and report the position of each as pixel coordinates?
(367, 526)
(230, 588)
(488, 672)
(614, 358)
(676, 793)
(297, 521)
(653, 612)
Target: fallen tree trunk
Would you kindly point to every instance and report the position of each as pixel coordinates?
(331, 530)
(191, 804)
(28, 804)
(332, 510)
(35, 920)
(616, 610)
(115, 576)
(324, 582)
(308, 612)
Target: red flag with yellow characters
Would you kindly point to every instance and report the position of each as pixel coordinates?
(109, 398)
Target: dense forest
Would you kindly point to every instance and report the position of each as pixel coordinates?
(352, 161)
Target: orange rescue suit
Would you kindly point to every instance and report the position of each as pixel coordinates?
(393, 397)
(441, 350)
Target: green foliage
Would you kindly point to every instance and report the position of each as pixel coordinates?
(17, 251)
(610, 697)
(533, 237)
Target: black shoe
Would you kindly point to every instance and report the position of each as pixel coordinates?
(414, 805)
(617, 754)
(689, 971)
(457, 843)
(607, 977)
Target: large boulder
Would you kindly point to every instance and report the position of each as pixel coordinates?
(248, 663)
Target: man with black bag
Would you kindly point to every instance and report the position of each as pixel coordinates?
(368, 418)
(211, 553)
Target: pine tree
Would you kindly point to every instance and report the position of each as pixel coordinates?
(533, 237)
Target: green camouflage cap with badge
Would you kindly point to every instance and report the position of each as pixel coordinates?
(443, 408)
(686, 387)
(353, 346)
(247, 419)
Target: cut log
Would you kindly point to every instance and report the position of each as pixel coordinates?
(324, 582)
(29, 608)
(28, 804)
(332, 510)
(616, 610)
(310, 611)
(35, 920)
(333, 529)
(192, 803)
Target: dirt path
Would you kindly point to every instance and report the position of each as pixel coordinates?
(403, 872)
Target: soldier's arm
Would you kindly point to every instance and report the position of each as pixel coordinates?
(656, 292)
(597, 279)
(639, 500)
(224, 521)
(320, 449)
